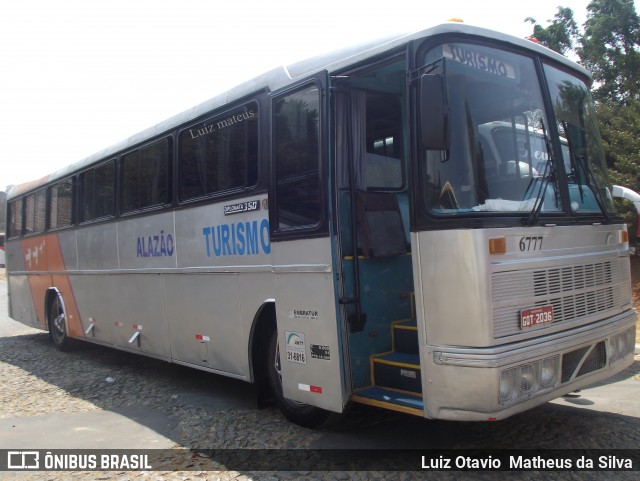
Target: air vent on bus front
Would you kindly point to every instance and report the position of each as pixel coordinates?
(574, 291)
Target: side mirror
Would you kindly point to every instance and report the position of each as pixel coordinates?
(434, 112)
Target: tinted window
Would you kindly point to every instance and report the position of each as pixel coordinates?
(575, 112)
(98, 189)
(383, 156)
(219, 154)
(490, 92)
(61, 204)
(145, 176)
(35, 212)
(297, 158)
(15, 218)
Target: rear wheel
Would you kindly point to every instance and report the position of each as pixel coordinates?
(296, 411)
(58, 324)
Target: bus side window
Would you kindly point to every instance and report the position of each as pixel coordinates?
(145, 177)
(98, 191)
(15, 218)
(35, 213)
(219, 154)
(61, 204)
(297, 159)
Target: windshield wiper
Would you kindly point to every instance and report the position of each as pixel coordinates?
(534, 215)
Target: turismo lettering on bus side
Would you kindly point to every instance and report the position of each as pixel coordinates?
(237, 239)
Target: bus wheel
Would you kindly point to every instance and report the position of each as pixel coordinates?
(58, 324)
(295, 411)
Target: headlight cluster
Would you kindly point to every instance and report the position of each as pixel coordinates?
(621, 344)
(527, 380)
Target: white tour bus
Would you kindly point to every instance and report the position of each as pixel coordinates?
(422, 224)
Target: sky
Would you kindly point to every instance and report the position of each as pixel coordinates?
(77, 76)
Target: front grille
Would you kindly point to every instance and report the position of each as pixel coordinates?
(584, 360)
(570, 362)
(575, 291)
(571, 278)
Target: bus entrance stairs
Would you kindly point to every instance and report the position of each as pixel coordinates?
(395, 376)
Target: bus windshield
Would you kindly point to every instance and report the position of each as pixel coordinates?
(501, 155)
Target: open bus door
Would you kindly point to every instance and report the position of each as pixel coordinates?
(307, 349)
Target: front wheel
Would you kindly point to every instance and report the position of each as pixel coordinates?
(58, 324)
(295, 411)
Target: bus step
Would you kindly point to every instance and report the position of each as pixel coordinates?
(397, 370)
(405, 336)
(388, 399)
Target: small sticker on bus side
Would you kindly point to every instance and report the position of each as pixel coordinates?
(310, 388)
(242, 207)
(303, 314)
(320, 352)
(296, 347)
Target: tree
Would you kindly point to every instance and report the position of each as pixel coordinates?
(561, 35)
(610, 49)
(619, 125)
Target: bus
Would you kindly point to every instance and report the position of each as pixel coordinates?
(2, 237)
(423, 224)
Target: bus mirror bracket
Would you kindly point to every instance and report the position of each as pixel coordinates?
(434, 112)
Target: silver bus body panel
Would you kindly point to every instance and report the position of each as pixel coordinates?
(21, 306)
(306, 315)
(456, 306)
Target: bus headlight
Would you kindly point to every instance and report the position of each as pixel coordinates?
(507, 386)
(528, 380)
(549, 371)
(621, 344)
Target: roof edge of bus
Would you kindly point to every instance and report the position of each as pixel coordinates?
(339, 59)
(16, 190)
(281, 76)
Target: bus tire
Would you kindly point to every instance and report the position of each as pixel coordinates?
(295, 411)
(57, 317)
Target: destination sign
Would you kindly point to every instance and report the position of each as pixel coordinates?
(478, 60)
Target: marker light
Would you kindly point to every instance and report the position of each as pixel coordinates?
(498, 245)
(624, 237)
(456, 19)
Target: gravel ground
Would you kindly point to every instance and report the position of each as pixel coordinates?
(37, 380)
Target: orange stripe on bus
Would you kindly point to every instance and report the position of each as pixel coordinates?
(41, 254)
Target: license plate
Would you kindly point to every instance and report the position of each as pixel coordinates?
(536, 316)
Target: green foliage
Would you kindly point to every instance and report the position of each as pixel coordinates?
(609, 48)
(561, 35)
(620, 125)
